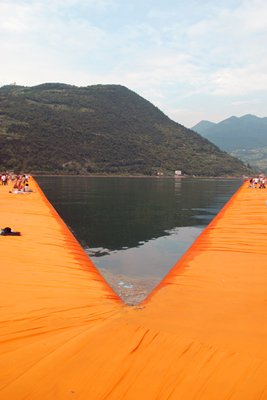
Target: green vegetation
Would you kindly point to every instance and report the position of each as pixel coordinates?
(102, 129)
(257, 157)
(244, 137)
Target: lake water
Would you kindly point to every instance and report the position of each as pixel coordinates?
(137, 227)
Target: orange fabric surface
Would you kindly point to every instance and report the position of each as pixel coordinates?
(201, 334)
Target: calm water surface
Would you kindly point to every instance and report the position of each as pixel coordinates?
(138, 227)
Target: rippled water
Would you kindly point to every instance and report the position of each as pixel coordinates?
(138, 227)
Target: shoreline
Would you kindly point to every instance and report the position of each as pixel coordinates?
(139, 176)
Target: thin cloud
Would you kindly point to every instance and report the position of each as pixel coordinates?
(168, 52)
(245, 102)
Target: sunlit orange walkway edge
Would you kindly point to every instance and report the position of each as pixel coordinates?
(202, 333)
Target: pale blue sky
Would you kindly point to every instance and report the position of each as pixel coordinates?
(193, 59)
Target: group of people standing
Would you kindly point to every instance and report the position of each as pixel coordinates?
(14, 178)
(20, 182)
(257, 183)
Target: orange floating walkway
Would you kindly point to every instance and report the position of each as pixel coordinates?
(201, 334)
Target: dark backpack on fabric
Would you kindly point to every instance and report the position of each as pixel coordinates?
(7, 232)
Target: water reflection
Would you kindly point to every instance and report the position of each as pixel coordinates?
(151, 259)
(137, 225)
(177, 186)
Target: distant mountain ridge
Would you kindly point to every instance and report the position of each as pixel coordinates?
(100, 129)
(203, 126)
(244, 137)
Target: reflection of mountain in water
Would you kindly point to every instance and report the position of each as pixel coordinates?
(153, 258)
(117, 213)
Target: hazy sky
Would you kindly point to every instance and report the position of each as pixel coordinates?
(193, 59)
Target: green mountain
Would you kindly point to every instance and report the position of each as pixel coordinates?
(103, 129)
(244, 137)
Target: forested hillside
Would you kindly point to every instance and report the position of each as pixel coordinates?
(102, 129)
(244, 137)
